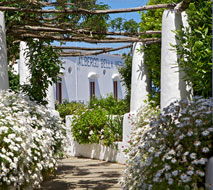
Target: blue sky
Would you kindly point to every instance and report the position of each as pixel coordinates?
(115, 4)
(118, 4)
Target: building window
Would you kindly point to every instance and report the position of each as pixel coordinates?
(59, 92)
(92, 90)
(115, 89)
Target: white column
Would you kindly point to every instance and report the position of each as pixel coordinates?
(4, 81)
(24, 71)
(140, 82)
(209, 174)
(140, 88)
(50, 97)
(173, 87)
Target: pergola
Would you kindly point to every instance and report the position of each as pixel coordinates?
(51, 27)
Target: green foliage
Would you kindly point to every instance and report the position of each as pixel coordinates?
(114, 130)
(99, 26)
(126, 74)
(88, 124)
(13, 18)
(13, 81)
(130, 26)
(111, 106)
(94, 126)
(195, 47)
(44, 65)
(120, 24)
(99, 122)
(153, 63)
(69, 108)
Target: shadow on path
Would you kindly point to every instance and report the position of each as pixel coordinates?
(85, 174)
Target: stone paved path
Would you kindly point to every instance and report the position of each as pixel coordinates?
(85, 174)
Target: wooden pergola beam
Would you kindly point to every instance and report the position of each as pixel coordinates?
(77, 53)
(80, 31)
(87, 39)
(54, 3)
(85, 11)
(79, 48)
(44, 4)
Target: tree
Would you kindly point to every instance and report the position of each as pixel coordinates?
(126, 73)
(195, 47)
(44, 63)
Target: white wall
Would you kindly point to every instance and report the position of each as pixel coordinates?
(79, 71)
(4, 81)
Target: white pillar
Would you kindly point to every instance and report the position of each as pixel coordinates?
(140, 83)
(173, 87)
(50, 97)
(24, 71)
(140, 88)
(209, 174)
(4, 81)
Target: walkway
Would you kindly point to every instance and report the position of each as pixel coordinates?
(85, 174)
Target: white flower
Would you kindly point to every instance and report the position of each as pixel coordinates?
(27, 130)
(173, 160)
(186, 153)
(145, 154)
(190, 172)
(190, 133)
(210, 129)
(181, 136)
(193, 155)
(172, 152)
(200, 173)
(151, 149)
(157, 154)
(3, 150)
(197, 143)
(205, 149)
(195, 162)
(205, 133)
(202, 161)
(198, 122)
(185, 178)
(11, 136)
(170, 181)
(175, 173)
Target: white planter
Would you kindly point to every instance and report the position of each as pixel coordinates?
(96, 151)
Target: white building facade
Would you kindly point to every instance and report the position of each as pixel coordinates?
(88, 76)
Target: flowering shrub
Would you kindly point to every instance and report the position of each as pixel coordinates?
(171, 152)
(110, 104)
(31, 138)
(94, 126)
(68, 108)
